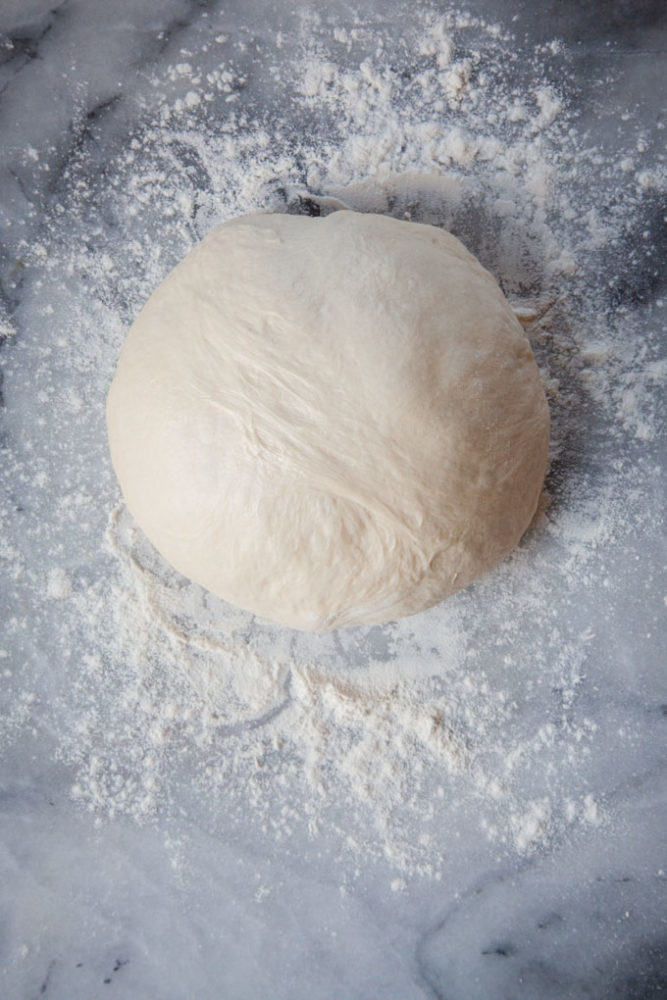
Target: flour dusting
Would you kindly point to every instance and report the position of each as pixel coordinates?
(383, 739)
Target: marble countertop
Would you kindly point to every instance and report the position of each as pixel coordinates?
(468, 804)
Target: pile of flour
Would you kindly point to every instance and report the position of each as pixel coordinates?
(478, 708)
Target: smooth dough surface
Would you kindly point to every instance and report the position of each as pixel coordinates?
(331, 421)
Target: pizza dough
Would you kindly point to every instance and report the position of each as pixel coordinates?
(331, 421)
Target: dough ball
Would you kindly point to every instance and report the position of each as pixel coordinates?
(331, 421)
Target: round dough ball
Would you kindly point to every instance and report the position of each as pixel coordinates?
(331, 421)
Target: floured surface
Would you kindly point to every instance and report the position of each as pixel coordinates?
(374, 785)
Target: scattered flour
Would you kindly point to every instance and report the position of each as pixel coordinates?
(380, 736)
(58, 585)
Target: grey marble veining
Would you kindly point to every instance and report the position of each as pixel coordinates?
(196, 903)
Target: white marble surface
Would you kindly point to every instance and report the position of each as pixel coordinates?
(537, 867)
